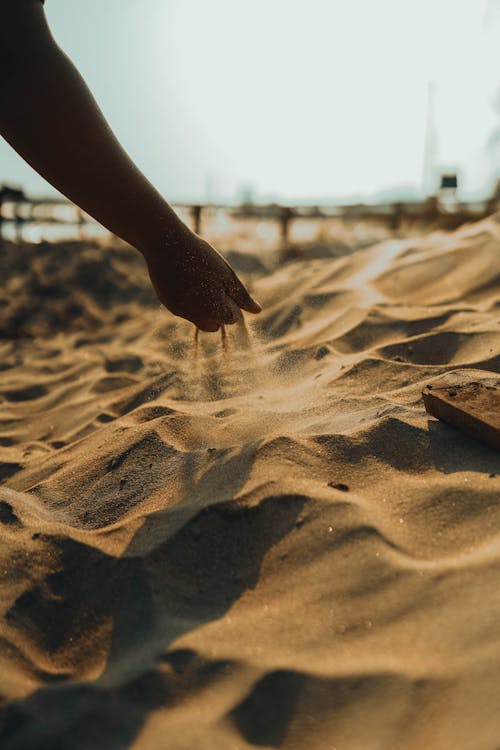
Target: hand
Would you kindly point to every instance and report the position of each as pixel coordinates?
(195, 282)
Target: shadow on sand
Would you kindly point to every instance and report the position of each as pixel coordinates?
(151, 595)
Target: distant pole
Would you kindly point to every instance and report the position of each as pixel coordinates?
(430, 147)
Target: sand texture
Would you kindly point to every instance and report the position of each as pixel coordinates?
(273, 546)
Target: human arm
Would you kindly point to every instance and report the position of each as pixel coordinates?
(49, 116)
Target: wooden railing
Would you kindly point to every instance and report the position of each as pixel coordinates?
(16, 209)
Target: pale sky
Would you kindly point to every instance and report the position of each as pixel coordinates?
(302, 99)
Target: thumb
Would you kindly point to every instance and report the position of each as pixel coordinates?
(240, 295)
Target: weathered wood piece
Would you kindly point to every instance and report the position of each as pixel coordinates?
(471, 405)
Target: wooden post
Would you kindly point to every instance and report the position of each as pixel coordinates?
(285, 215)
(80, 220)
(2, 193)
(396, 218)
(196, 217)
(18, 221)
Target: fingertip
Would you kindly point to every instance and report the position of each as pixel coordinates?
(252, 307)
(238, 292)
(208, 327)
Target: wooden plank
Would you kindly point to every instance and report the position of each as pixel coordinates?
(467, 402)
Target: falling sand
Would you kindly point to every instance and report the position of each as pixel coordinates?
(266, 543)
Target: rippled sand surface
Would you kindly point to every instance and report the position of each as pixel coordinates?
(268, 547)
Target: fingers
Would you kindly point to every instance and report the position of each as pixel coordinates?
(208, 326)
(239, 294)
(212, 324)
(228, 316)
(218, 306)
(211, 320)
(217, 313)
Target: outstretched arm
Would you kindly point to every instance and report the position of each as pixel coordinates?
(51, 119)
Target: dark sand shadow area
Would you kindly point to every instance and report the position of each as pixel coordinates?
(149, 601)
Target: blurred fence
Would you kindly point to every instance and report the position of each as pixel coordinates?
(24, 219)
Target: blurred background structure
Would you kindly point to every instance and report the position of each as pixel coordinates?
(304, 106)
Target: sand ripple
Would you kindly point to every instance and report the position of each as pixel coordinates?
(269, 547)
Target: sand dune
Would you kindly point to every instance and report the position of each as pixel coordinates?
(268, 547)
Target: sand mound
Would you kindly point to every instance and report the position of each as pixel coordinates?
(268, 547)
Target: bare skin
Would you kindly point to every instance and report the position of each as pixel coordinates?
(49, 116)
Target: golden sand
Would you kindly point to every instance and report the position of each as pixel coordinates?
(269, 547)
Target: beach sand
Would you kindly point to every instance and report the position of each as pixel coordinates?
(272, 546)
